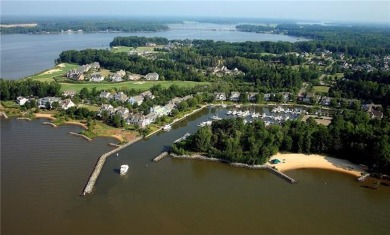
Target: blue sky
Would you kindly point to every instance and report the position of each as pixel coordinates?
(322, 10)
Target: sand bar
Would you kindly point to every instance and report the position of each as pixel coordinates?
(292, 161)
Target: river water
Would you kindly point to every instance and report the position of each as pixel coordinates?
(23, 54)
(43, 171)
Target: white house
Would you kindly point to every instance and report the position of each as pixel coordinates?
(152, 76)
(138, 99)
(21, 100)
(43, 101)
(141, 120)
(235, 96)
(134, 77)
(96, 77)
(220, 96)
(67, 103)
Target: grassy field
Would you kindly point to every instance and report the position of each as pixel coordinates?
(59, 70)
(140, 85)
(320, 89)
(90, 107)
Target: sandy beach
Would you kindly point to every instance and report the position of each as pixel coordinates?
(292, 161)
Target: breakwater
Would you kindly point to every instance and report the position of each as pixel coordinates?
(3, 114)
(236, 164)
(80, 135)
(160, 156)
(99, 165)
(49, 123)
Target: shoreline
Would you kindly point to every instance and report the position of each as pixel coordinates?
(291, 161)
(296, 161)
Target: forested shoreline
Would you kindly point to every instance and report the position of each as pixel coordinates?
(85, 25)
(351, 135)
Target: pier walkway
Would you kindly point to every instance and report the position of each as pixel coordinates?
(99, 165)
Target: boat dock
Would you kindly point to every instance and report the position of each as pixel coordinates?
(282, 175)
(99, 165)
(160, 156)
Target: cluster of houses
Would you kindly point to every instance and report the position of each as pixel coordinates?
(138, 119)
(46, 102)
(223, 70)
(84, 73)
(78, 74)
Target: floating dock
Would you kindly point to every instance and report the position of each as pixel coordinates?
(99, 165)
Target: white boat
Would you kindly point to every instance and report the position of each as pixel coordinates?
(167, 127)
(215, 117)
(229, 112)
(124, 169)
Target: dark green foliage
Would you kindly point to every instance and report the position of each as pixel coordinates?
(11, 89)
(134, 41)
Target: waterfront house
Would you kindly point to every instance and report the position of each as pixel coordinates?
(66, 104)
(138, 99)
(152, 76)
(106, 107)
(141, 120)
(235, 96)
(219, 96)
(267, 96)
(21, 100)
(41, 103)
(252, 96)
(123, 112)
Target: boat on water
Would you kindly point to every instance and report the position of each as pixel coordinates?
(215, 117)
(167, 127)
(124, 169)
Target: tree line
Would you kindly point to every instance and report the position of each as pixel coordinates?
(356, 41)
(11, 89)
(87, 25)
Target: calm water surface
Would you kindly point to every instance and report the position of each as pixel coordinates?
(43, 170)
(23, 54)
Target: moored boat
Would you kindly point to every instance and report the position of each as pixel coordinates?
(167, 127)
(124, 169)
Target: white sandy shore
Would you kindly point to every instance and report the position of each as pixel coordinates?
(291, 161)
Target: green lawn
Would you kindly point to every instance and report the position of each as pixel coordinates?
(140, 85)
(320, 89)
(59, 70)
(89, 107)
